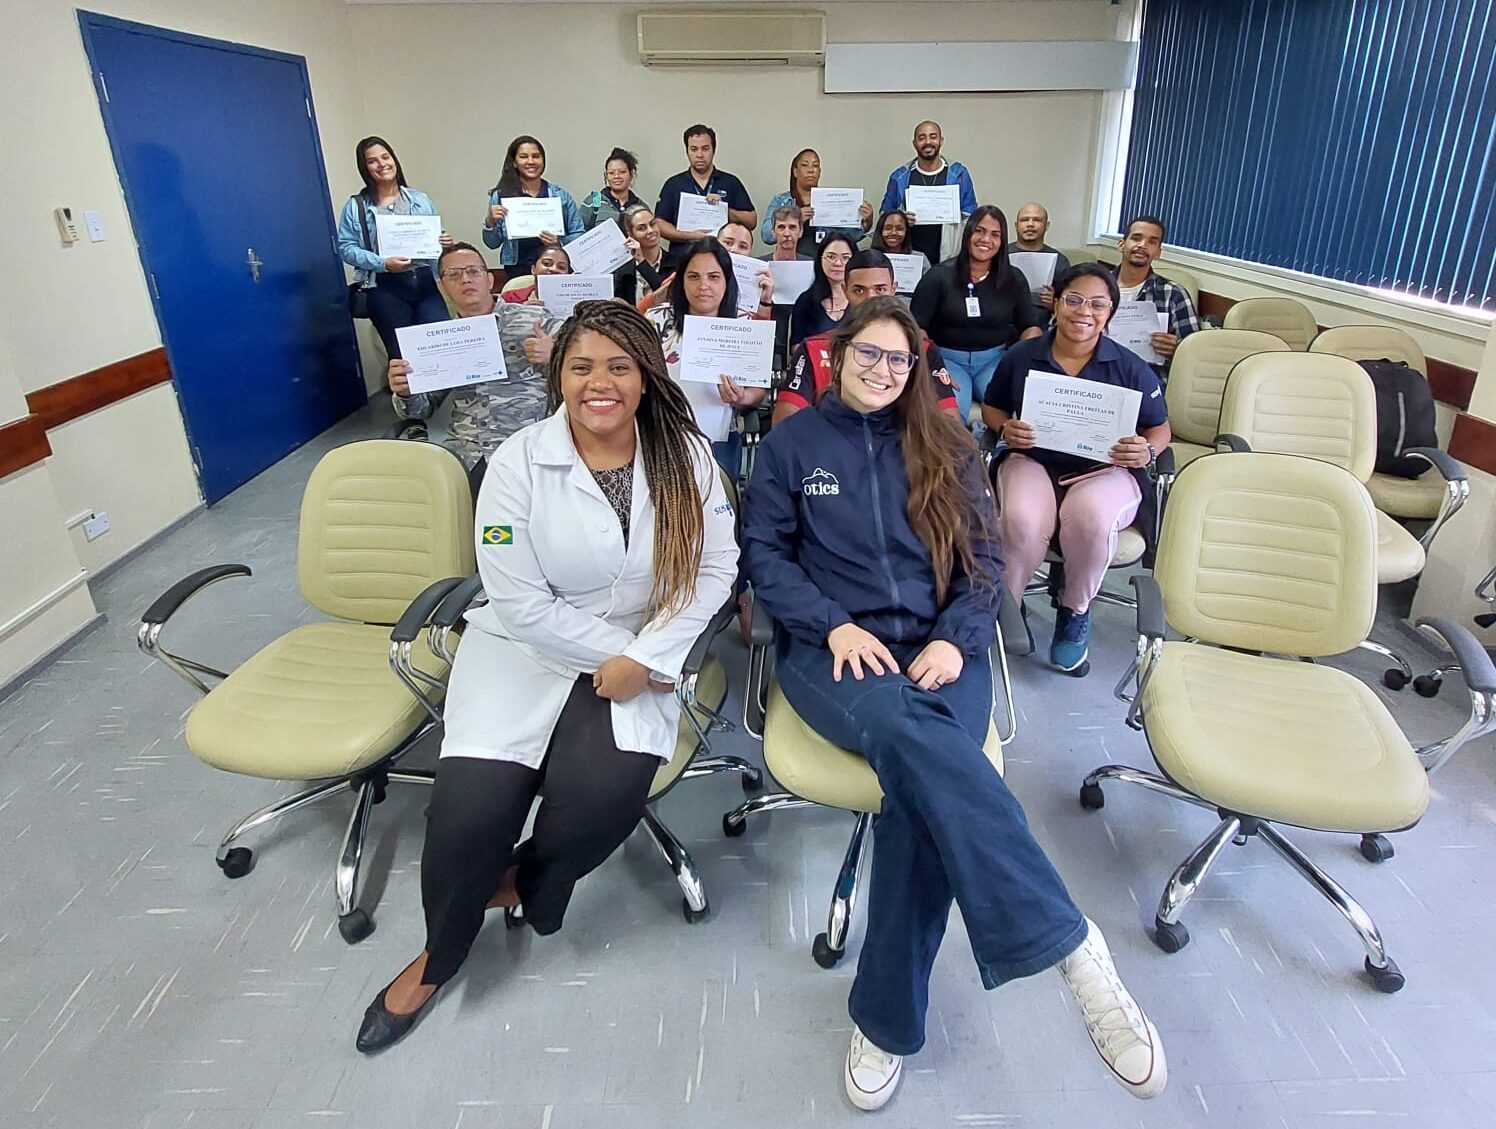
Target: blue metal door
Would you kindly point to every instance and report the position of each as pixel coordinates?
(217, 148)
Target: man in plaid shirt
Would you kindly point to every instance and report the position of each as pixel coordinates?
(1143, 243)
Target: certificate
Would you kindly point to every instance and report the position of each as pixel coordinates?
(747, 269)
(1078, 417)
(695, 214)
(560, 293)
(601, 251)
(933, 203)
(530, 215)
(1133, 325)
(792, 278)
(742, 348)
(836, 207)
(1036, 266)
(907, 271)
(408, 237)
(451, 354)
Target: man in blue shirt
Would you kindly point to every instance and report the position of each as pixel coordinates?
(702, 178)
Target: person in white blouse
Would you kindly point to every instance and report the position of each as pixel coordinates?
(605, 543)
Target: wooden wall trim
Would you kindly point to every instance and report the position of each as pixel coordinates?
(59, 403)
(22, 443)
(1451, 384)
(1474, 442)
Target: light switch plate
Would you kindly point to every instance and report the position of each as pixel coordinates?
(96, 526)
(94, 222)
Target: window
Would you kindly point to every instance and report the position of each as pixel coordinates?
(1351, 139)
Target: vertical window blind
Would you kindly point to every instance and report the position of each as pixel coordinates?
(1351, 139)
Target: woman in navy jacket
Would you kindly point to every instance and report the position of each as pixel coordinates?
(869, 535)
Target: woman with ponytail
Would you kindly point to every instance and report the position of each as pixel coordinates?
(870, 537)
(605, 544)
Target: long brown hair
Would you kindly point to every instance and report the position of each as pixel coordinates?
(940, 456)
(669, 441)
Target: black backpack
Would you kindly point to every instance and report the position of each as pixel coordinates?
(1405, 416)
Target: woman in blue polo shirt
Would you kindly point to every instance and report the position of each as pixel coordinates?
(1040, 490)
(524, 175)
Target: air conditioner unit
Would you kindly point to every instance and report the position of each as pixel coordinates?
(762, 37)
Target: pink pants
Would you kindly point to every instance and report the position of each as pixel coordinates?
(1090, 514)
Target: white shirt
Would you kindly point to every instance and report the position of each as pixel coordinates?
(564, 596)
(1130, 293)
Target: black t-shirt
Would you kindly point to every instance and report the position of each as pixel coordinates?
(939, 305)
(925, 237)
(1110, 364)
(729, 187)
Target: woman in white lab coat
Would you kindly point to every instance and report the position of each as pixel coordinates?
(605, 543)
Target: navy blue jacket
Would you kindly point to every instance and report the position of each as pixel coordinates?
(826, 540)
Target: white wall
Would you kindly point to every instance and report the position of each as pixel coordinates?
(570, 75)
(73, 309)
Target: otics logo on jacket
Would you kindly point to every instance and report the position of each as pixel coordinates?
(820, 482)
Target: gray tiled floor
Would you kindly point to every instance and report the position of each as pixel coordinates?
(138, 988)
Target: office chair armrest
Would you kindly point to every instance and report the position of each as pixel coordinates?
(1450, 469)
(402, 428)
(457, 602)
(1475, 661)
(415, 617)
(696, 657)
(1150, 607)
(168, 602)
(1231, 443)
(762, 632)
(1164, 464)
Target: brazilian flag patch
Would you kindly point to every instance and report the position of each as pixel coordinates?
(498, 535)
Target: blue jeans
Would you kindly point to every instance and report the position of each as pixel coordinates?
(949, 829)
(971, 373)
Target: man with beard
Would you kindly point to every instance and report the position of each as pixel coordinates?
(1138, 282)
(936, 241)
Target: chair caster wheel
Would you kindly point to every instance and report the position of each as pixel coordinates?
(237, 863)
(1427, 686)
(1394, 679)
(1091, 797)
(355, 926)
(1376, 848)
(732, 829)
(1389, 979)
(694, 915)
(823, 954)
(1170, 938)
(514, 917)
(752, 782)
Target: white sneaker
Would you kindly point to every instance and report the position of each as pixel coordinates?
(872, 1074)
(1124, 1037)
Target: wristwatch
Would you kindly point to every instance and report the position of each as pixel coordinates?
(1152, 454)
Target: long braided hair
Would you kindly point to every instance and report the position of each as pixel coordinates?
(669, 441)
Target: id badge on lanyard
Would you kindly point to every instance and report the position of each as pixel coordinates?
(973, 303)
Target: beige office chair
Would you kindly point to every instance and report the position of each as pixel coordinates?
(386, 531)
(1197, 379)
(1177, 274)
(1322, 407)
(1282, 317)
(1429, 497)
(1273, 555)
(1078, 255)
(816, 773)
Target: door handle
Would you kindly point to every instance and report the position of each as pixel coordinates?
(255, 263)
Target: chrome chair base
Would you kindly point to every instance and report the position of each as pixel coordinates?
(1169, 932)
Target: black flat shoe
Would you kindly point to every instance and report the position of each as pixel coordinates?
(382, 1028)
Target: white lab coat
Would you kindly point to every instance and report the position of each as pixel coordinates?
(564, 596)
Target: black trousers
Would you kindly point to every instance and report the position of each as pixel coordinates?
(592, 796)
(406, 298)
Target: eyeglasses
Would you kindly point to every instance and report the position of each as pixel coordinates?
(1076, 301)
(453, 274)
(866, 356)
(836, 260)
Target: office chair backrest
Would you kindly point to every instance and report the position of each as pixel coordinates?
(1078, 255)
(1371, 343)
(1184, 278)
(1316, 405)
(1282, 317)
(1269, 553)
(380, 520)
(1197, 378)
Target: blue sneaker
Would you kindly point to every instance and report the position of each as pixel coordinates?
(1072, 640)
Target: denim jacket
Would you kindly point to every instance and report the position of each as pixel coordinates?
(508, 248)
(367, 261)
